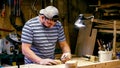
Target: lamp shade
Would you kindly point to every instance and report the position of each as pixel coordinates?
(79, 23)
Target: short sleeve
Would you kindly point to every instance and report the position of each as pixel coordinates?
(27, 34)
(61, 36)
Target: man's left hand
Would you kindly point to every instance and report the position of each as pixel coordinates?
(65, 57)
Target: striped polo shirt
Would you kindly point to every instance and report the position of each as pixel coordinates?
(41, 38)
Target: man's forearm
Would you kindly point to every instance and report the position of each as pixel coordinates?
(31, 55)
(65, 47)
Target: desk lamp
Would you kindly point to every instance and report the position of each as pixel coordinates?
(79, 23)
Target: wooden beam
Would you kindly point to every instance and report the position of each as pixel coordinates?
(108, 31)
(114, 39)
(6, 30)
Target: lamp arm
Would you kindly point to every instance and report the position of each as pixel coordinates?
(89, 17)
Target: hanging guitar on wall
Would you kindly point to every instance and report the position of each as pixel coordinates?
(17, 13)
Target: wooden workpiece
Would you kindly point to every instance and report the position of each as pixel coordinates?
(86, 40)
(81, 63)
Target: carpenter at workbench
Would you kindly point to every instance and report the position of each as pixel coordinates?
(39, 37)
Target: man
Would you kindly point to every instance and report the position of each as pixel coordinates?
(39, 37)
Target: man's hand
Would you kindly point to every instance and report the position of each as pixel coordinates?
(65, 57)
(47, 62)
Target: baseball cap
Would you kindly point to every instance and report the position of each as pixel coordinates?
(50, 12)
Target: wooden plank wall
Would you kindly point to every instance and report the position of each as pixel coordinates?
(69, 11)
(5, 21)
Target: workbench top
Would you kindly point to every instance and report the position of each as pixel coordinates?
(81, 63)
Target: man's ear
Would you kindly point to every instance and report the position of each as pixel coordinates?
(42, 18)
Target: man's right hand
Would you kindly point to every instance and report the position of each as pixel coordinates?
(47, 62)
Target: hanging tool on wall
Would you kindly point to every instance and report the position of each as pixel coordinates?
(17, 7)
(34, 8)
(16, 12)
(43, 5)
(10, 5)
(2, 8)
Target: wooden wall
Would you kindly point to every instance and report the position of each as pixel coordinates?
(69, 11)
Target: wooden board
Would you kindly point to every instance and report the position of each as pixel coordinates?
(82, 63)
(86, 40)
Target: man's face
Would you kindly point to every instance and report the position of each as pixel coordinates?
(49, 22)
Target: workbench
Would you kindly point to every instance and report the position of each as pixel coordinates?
(81, 63)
